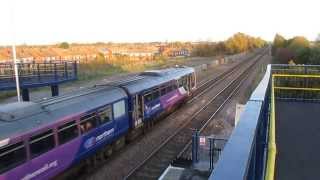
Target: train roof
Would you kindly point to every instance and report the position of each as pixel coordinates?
(21, 117)
(150, 79)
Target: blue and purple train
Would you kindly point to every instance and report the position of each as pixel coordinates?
(40, 140)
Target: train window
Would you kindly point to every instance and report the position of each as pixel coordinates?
(41, 143)
(180, 82)
(174, 86)
(147, 98)
(184, 80)
(11, 156)
(169, 89)
(192, 80)
(155, 94)
(67, 132)
(119, 109)
(163, 91)
(105, 114)
(88, 122)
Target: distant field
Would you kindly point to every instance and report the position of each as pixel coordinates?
(97, 69)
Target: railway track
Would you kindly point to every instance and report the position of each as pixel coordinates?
(203, 87)
(177, 144)
(206, 85)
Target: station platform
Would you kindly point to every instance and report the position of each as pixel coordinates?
(297, 137)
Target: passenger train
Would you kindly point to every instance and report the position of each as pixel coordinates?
(40, 140)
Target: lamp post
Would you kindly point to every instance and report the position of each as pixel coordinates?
(14, 53)
(16, 72)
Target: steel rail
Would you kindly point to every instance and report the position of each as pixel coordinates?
(131, 173)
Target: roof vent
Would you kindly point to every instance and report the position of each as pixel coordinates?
(150, 73)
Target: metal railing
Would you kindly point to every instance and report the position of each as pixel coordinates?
(296, 82)
(245, 154)
(36, 74)
(272, 148)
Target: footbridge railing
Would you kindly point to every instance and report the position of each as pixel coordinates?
(37, 74)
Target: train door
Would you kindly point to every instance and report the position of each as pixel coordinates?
(185, 80)
(194, 77)
(191, 81)
(138, 110)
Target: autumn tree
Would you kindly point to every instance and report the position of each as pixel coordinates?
(64, 45)
(241, 42)
(278, 42)
(298, 42)
(237, 43)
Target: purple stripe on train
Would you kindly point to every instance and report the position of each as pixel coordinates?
(172, 98)
(164, 102)
(46, 165)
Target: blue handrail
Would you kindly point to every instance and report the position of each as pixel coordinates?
(37, 74)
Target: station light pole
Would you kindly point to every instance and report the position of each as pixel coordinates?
(16, 72)
(14, 53)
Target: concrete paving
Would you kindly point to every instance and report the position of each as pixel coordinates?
(298, 140)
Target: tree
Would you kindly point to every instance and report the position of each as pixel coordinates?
(64, 45)
(298, 42)
(278, 42)
(284, 55)
(237, 43)
(302, 56)
(300, 47)
(314, 57)
(100, 58)
(220, 48)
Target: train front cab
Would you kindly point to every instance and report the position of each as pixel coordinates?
(188, 82)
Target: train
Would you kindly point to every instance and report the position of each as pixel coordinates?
(41, 140)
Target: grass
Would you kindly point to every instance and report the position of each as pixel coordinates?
(95, 71)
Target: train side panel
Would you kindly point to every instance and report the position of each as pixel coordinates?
(164, 103)
(58, 159)
(46, 165)
(104, 134)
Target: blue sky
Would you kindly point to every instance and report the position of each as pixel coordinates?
(53, 21)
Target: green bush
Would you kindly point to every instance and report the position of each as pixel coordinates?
(298, 49)
(64, 45)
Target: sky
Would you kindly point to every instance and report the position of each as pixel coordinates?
(87, 21)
